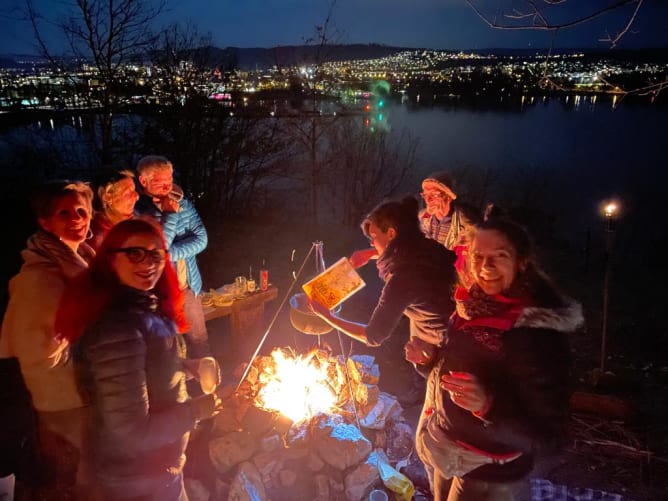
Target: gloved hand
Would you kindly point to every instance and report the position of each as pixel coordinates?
(206, 406)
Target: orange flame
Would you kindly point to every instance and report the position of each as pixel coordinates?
(295, 386)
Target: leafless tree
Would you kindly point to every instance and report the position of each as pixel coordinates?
(364, 167)
(552, 15)
(541, 15)
(225, 162)
(107, 34)
(309, 126)
(182, 55)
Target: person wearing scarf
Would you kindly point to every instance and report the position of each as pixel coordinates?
(497, 397)
(54, 255)
(418, 275)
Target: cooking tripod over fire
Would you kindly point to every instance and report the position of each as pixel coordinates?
(301, 316)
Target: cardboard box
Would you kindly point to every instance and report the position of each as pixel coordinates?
(334, 285)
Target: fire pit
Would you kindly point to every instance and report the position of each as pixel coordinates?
(309, 426)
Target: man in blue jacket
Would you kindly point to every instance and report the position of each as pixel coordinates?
(185, 235)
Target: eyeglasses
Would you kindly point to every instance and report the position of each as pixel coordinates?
(139, 254)
(429, 195)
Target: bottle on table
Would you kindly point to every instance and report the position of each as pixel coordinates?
(264, 276)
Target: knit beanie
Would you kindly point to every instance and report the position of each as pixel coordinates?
(440, 181)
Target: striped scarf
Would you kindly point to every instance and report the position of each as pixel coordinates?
(438, 230)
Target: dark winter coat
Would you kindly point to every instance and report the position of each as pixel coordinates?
(419, 277)
(526, 371)
(129, 364)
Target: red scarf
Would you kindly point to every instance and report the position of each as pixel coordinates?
(477, 309)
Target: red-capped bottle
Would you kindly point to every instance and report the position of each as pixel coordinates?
(264, 277)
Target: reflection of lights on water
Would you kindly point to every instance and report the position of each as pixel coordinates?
(295, 387)
(614, 101)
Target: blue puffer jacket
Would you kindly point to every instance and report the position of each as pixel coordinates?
(185, 234)
(129, 364)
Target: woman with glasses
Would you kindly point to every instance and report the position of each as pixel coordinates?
(115, 199)
(124, 315)
(54, 255)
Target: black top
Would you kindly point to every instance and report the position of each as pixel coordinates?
(419, 279)
(526, 370)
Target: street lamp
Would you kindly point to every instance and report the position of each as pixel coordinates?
(611, 213)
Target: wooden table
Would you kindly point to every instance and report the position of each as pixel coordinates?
(246, 314)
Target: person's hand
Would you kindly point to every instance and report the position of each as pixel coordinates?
(206, 406)
(167, 204)
(190, 367)
(361, 257)
(319, 309)
(465, 391)
(419, 352)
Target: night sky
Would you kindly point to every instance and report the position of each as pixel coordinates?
(437, 24)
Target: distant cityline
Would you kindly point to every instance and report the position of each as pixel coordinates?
(251, 57)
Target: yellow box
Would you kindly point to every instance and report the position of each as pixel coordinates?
(334, 285)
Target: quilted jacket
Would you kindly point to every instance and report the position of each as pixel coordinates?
(185, 234)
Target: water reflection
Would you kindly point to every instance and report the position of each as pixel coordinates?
(586, 146)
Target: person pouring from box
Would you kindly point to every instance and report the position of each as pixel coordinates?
(419, 278)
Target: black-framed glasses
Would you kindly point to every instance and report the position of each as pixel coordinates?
(140, 254)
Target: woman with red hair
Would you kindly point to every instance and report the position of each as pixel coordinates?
(123, 315)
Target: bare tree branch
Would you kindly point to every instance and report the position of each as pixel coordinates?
(614, 41)
(541, 22)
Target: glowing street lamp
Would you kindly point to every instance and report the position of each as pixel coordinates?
(611, 213)
(610, 210)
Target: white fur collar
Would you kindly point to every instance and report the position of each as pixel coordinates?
(566, 319)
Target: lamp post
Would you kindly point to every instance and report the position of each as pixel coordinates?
(610, 212)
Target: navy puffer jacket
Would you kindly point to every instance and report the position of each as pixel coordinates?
(129, 365)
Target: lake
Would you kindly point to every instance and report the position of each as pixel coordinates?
(562, 154)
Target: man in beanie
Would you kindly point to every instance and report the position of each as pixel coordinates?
(451, 225)
(443, 219)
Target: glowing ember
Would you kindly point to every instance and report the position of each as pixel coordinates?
(295, 386)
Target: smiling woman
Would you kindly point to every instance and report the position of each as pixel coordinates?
(54, 255)
(497, 397)
(125, 315)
